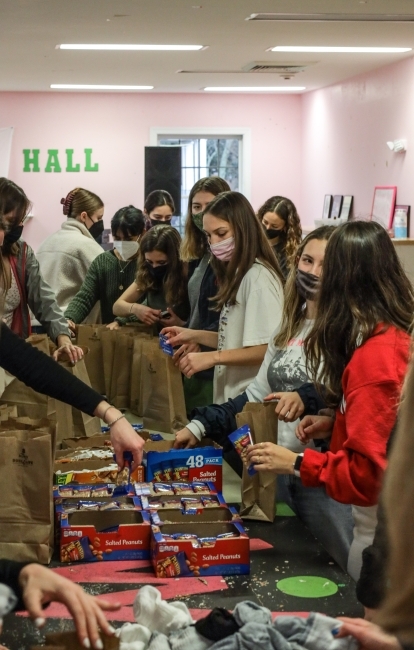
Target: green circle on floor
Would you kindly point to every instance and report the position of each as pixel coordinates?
(307, 587)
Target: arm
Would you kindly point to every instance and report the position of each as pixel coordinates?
(312, 400)
(9, 575)
(353, 474)
(88, 295)
(41, 300)
(197, 361)
(131, 295)
(180, 335)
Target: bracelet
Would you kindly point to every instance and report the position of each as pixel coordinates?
(219, 352)
(106, 411)
(110, 424)
(130, 309)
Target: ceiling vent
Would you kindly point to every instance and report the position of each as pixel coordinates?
(283, 69)
(388, 18)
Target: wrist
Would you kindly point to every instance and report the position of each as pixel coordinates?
(217, 354)
(27, 572)
(296, 464)
(63, 339)
(107, 412)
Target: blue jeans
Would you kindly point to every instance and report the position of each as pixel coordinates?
(329, 521)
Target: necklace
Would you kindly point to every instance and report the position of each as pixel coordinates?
(121, 270)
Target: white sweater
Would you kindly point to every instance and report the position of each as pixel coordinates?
(64, 259)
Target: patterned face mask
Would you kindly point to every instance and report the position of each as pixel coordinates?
(198, 220)
(307, 285)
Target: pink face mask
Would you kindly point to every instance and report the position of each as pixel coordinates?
(223, 250)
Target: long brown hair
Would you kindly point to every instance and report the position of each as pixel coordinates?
(293, 312)
(250, 244)
(286, 210)
(167, 240)
(12, 199)
(194, 244)
(80, 200)
(363, 285)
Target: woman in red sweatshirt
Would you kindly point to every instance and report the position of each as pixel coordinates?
(361, 339)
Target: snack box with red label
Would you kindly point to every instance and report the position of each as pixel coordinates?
(207, 515)
(196, 550)
(102, 536)
(201, 463)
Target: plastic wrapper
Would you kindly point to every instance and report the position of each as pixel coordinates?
(207, 541)
(173, 566)
(209, 502)
(164, 489)
(182, 488)
(241, 439)
(201, 488)
(77, 550)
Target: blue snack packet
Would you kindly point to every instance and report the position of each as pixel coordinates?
(241, 439)
(173, 566)
(156, 437)
(165, 345)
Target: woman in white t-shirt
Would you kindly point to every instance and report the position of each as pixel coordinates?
(249, 298)
(283, 377)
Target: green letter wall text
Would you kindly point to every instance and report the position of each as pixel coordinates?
(31, 160)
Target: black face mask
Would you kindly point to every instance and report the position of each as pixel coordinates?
(307, 285)
(272, 233)
(97, 229)
(13, 235)
(158, 272)
(156, 222)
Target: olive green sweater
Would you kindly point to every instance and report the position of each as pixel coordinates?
(104, 282)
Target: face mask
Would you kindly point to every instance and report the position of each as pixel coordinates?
(307, 284)
(158, 272)
(126, 249)
(13, 235)
(156, 222)
(97, 229)
(272, 233)
(198, 220)
(224, 249)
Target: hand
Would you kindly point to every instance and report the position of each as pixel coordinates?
(113, 326)
(72, 326)
(146, 314)
(174, 320)
(69, 351)
(289, 407)
(183, 350)
(370, 636)
(41, 586)
(268, 457)
(314, 426)
(197, 361)
(184, 439)
(124, 438)
(179, 335)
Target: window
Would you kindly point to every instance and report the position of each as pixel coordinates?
(207, 152)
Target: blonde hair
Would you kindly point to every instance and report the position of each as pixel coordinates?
(80, 200)
(396, 614)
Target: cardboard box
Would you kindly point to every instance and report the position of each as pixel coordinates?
(207, 515)
(173, 558)
(102, 536)
(103, 440)
(74, 472)
(202, 463)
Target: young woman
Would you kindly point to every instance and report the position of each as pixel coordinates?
(202, 284)
(249, 298)
(283, 377)
(21, 282)
(159, 208)
(361, 333)
(158, 294)
(282, 227)
(65, 256)
(112, 272)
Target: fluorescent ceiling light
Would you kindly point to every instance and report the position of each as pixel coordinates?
(368, 50)
(126, 47)
(254, 89)
(98, 87)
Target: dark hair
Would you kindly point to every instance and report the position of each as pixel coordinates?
(80, 200)
(362, 286)
(12, 199)
(293, 312)
(286, 210)
(129, 220)
(167, 240)
(250, 244)
(158, 198)
(195, 243)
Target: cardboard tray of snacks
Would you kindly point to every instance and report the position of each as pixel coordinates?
(91, 536)
(188, 550)
(92, 472)
(208, 515)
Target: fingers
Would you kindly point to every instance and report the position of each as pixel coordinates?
(33, 603)
(272, 397)
(178, 354)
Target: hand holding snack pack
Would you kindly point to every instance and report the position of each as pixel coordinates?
(241, 440)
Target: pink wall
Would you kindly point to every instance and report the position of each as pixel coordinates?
(117, 127)
(345, 129)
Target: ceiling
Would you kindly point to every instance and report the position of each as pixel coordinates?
(31, 29)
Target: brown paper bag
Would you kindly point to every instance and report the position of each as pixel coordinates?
(135, 404)
(26, 507)
(69, 421)
(162, 394)
(28, 402)
(89, 336)
(259, 491)
(122, 364)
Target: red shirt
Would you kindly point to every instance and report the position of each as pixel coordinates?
(353, 468)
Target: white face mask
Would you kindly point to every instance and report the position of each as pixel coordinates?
(126, 249)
